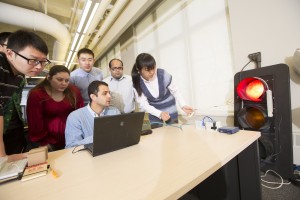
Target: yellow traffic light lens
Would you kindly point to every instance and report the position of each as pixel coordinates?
(255, 118)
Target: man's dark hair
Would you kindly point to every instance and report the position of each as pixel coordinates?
(109, 64)
(4, 36)
(21, 39)
(85, 50)
(94, 88)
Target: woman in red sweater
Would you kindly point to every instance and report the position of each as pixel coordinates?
(48, 105)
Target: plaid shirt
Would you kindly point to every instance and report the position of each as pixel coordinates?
(11, 87)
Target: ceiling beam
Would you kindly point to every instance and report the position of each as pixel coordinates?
(133, 11)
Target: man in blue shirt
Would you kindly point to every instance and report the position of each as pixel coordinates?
(86, 73)
(80, 123)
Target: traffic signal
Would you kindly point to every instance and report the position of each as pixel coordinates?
(262, 103)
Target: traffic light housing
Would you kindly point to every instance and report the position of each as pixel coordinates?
(262, 103)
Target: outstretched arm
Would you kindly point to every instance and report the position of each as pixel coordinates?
(187, 109)
(177, 94)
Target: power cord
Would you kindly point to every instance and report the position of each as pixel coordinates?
(280, 184)
(207, 117)
(165, 124)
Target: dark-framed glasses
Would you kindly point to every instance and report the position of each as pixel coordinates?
(116, 68)
(34, 62)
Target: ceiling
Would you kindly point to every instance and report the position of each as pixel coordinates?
(68, 14)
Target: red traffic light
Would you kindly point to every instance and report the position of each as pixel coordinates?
(251, 89)
(257, 93)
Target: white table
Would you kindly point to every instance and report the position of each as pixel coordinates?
(164, 165)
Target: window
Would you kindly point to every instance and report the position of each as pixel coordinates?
(190, 39)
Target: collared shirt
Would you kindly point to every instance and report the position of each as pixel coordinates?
(106, 111)
(82, 79)
(122, 93)
(80, 125)
(152, 86)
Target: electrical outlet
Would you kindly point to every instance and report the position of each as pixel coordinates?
(256, 57)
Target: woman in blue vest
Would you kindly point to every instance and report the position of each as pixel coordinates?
(155, 92)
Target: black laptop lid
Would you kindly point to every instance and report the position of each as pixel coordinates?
(116, 132)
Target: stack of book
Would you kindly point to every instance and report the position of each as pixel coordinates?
(35, 171)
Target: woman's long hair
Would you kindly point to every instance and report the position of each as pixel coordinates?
(70, 96)
(143, 60)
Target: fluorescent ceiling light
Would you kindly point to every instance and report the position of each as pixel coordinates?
(69, 56)
(74, 54)
(80, 40)
(84, 15)
(74, 41)
(91, 17)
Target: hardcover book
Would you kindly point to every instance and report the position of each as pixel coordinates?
(35, 171)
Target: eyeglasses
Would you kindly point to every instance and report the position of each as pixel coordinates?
(116, 68)
(34, 62)
(3, 44)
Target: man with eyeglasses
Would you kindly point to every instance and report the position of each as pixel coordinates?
(86, 73)
(3, 40)
(121, 87)
(26, 54)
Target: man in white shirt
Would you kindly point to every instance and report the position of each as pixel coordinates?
(121, 87)
(86, 73)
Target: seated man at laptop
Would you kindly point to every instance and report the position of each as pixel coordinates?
(80, 123)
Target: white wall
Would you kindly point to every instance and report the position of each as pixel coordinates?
(273, 28)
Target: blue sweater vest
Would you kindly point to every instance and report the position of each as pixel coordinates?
(165, 101)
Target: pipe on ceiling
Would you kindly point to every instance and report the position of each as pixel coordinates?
(97, 18)
(37, 21)
(117, 9)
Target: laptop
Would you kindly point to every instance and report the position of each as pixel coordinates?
(11, 170)
(115, 132)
